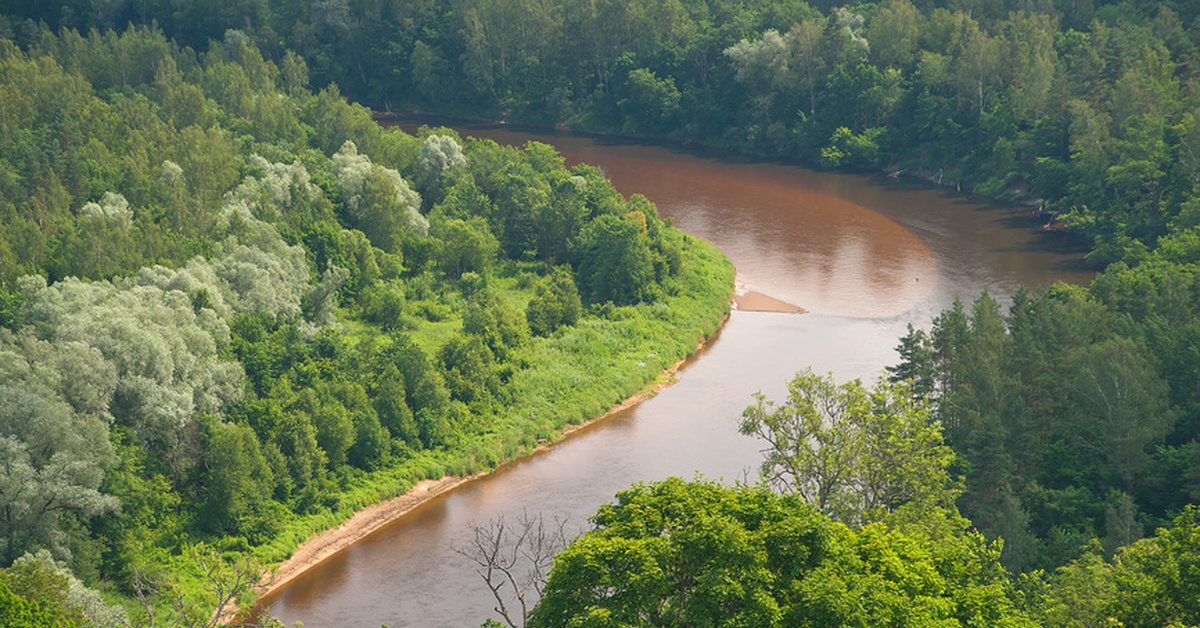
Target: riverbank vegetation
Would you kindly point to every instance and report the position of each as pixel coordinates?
(234, 311)
(864, 530)
(680, 553)
(1073, 414)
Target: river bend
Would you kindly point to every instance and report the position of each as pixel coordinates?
(866, 256)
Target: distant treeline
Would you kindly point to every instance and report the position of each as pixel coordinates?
(234, 310)
(1086, 104)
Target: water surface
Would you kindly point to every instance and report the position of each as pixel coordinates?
(865, 255)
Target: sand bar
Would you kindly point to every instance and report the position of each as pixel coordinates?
(751, 301)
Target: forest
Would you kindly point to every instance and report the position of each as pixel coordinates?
(376, 308)
(236, 310)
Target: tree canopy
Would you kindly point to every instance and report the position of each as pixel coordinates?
(678, 553)
(853, 453)
(233, 310)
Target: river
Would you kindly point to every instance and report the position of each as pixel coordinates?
(865, 255)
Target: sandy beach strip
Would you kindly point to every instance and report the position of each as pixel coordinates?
(322, 546)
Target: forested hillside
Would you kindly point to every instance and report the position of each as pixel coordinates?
(235, 310)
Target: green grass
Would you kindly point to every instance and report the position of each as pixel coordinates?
(430, 336)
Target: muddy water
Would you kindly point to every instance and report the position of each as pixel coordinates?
(866, 256)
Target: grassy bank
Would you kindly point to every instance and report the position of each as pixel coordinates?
(575, 376)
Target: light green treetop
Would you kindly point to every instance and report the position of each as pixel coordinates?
(853, 453)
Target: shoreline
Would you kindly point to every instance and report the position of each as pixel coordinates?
(1013, 194)
(323, 546)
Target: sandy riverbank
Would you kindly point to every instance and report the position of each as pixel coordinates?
(324, 545)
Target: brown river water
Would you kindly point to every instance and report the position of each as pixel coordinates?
(865, 255)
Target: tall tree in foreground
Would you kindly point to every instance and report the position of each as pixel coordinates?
(851, 452)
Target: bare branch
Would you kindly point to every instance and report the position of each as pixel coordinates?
(514, 561)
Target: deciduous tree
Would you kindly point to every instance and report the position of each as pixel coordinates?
(853, 453)
(678, 553)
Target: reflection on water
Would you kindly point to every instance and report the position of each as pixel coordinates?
(866, 256)
(837, 244)
(790, 239)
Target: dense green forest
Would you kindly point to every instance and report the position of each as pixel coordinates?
(1087, 105)
(1072, 414)
(235, 310)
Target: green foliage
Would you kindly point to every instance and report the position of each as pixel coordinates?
(1068, 415)
(1156, 580)
(425, 388)
(378, 199)
(848, 149)
(471, 370)
(853, 453)
(53, 440)
(440, 156)
(1079, 591)
(1095, 117)
(466, 245)
(612, 261)
(18, 611)
(1149, 583)
(149, 506)
(676, 553)
(237, 482)
(385, 306)
(1093, 114)
(225, 307)
(652, 104)
(1125, 402)
(556, 303)
(37, 591)
(391, 406)
(494, 320)
(916, 363)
